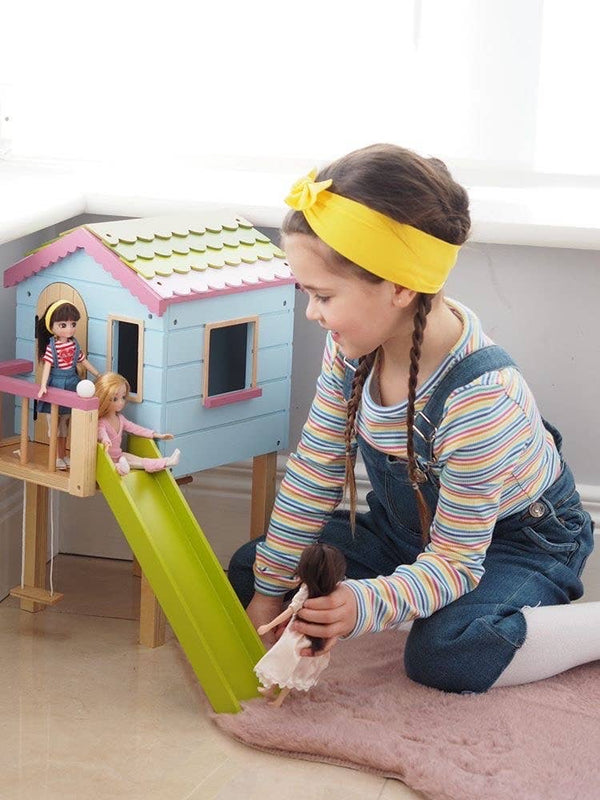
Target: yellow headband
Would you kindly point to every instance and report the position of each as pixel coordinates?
(51, 311)
(395, 252)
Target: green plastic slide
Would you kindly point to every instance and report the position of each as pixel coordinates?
(203, 610)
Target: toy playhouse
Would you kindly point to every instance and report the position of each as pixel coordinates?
(196, 311)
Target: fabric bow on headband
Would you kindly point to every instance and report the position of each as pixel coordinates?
(304, 192)
(392, 250)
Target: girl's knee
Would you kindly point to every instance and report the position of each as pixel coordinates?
(468, 658)
(240, 571)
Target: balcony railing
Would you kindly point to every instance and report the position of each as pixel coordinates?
(26, 465)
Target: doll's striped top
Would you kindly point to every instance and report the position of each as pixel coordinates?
(494, 457)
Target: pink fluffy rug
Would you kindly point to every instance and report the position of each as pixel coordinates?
(536, 742)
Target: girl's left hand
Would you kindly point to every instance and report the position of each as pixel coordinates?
(327, 617)
(164, 436)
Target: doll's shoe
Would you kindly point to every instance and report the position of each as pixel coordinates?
(123, 467)
(60, 463)
(67, 461)
(173, 459)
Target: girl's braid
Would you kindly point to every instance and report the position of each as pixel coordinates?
(420, 322)
(365, 363)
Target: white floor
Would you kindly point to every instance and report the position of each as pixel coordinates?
(88, 713)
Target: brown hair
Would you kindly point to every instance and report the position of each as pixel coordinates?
(66, 312)
(415, 191)
(321, 568)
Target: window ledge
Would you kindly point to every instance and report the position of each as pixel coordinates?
(35, 194)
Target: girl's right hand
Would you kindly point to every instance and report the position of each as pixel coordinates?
(42, 391)
(261, 610)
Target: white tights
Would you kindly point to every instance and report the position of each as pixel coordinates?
(558, 638)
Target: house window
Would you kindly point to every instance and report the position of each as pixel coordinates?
(230, 350)
(125, 352)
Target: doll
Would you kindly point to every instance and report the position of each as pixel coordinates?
(320, 569)
(112, 391)
(59, 352)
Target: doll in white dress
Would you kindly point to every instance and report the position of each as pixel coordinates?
(320, 569)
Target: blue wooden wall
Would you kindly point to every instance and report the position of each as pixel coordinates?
(173, 361)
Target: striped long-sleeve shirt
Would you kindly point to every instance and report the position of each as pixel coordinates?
(493, 454)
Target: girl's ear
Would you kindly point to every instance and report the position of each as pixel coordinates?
(403, 297)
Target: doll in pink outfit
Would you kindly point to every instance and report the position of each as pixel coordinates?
(112, 391)
(283, 668)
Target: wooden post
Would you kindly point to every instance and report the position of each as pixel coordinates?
(152, 618)
(84, 438)
(264, 470)
(36, 535)
(53, 433)
(24, 430)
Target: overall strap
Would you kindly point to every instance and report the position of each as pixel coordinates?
(468, 369)
(54, 354)
(76, 354)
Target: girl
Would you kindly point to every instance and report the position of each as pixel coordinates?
(112, 391)
(475, 530)
(59, 351)
(320, 569)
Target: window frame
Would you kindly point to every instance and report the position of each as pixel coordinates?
(134, 397)
(251, 390)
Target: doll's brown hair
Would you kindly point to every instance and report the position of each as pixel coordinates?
(65, 312)
(415, 191)
(106, 387)
(321, 568)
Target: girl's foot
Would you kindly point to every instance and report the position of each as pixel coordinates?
(173, 459)
(123, 467)
(60, 463)
(67, 461)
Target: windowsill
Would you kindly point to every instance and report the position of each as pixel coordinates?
(35, 194)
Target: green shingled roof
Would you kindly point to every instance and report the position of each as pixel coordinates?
(186, 243)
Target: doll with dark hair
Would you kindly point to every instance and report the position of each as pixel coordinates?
(60, 354)
(283, 668)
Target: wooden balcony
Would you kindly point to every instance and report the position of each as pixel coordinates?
(33, 462)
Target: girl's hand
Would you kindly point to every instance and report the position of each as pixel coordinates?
(42, 391)
(163, 435)
(327, 617)
(261, 610)
(106, 446)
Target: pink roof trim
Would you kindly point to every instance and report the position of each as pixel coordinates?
(81, 238)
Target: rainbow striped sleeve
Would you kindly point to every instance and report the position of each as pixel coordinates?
(481, 441)
(313, 482)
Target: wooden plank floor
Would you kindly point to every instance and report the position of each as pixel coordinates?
(36, 470)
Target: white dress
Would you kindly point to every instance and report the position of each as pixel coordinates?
(283, 665)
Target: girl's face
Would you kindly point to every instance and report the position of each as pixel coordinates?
(361, 315)
(64, 330)
(118, 401)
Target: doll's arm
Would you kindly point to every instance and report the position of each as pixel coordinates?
(274, 622)
(90, 367)
(103, 436)
(44, 380)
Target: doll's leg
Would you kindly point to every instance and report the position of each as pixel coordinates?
(268, 692)
(276, 703)
(152, 464)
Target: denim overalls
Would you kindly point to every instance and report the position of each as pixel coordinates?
(61, 378)
(535, 557)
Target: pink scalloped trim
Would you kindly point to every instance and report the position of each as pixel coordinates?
(128, 278)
